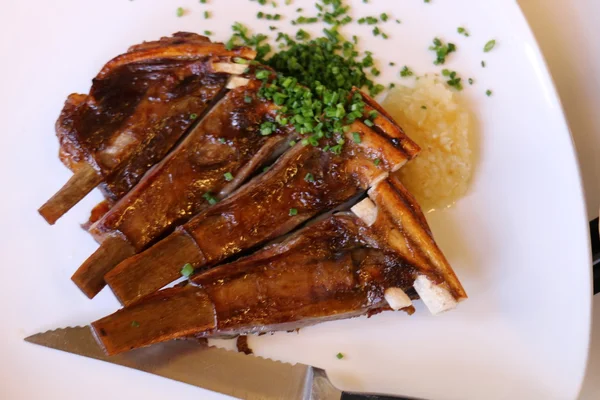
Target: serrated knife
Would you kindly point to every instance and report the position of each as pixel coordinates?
(228, 372)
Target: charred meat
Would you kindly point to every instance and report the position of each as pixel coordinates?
(139, 106)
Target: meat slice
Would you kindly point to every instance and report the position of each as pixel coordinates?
(222, 152)
(304, 182)
(139, 106)
(343, 266)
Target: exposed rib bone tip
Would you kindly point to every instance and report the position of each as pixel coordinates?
(396, 298)
(366, 210)
(236, 81)
(229, 68)
(437, 298)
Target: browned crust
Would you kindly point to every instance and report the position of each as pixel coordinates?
(179, 51)
(398, 207)
(386, 126)
(168, 314)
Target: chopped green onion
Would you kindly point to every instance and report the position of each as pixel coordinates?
(221, 140)
(424, 107)
(193, 116)
(228, 176)
(187, 270)
(483, 64)
(384, 17)
(462, 31)
(471, 81)
(369, 123)
(247, 99)
(377, 162)
(340, 355)
(203, 1)
(262, 74)
(208, 33)
(293, 212)
(488, 93)
(441, 50)
(209, 197)
(356, 137)
(309, 177)
(405, 71)
(489, 46)
(135, 324)
(180, 11)
(206, 14)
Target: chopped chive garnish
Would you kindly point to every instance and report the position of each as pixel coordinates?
(209, 197)
(441, 50)
(377, 162)
(369, 123)
(454, 80)
(221, 140)
(392, 63)
(135, 324)
(293, 212)
(462, 31)
(309, 177)
(180, 11)
(489, 46)
(488, 93)
(272, 27)
(292, 143)
(247, 99)
(398, 21)
(405, 72)
(228, 176)
(471, 81)
(299, 9)
(483, 64)
(193, 116)
(384, 17)
(187, 270)
(203, 1)
(206, 14)
(340, 355)
(392, 85)
(262, 74)
(424, 107)
(356, 137)
(265, 169)
(375, 71)
(371, 20)
(260, 15)
(208, 33)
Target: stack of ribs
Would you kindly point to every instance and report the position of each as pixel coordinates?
(280, 235)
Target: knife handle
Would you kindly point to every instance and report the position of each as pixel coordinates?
(595, 238)
(361, 396)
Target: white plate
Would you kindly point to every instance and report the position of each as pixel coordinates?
(518, 241)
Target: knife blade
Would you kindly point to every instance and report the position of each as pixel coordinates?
(228, 372)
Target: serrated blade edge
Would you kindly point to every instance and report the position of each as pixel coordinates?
(231, 373)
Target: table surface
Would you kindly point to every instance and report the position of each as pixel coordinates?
(567, 33)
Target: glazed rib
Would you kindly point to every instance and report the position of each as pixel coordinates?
(221, 153)
(267, 207)
(341, 267)
(139, 106)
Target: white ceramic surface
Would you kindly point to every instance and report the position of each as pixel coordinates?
(518, 241)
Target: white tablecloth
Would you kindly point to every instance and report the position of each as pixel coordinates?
(567, 31)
